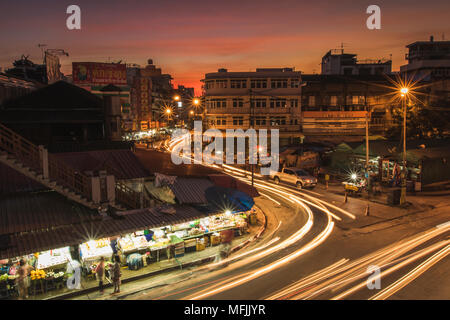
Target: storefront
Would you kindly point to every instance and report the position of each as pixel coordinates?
(136, 250)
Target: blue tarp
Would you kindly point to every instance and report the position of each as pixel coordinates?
(222, 199)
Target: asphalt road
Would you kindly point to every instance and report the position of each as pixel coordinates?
(302, 240)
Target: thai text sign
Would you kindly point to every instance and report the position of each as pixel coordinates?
(99, 73)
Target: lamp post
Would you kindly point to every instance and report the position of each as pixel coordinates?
(367, 160)
(403, 94)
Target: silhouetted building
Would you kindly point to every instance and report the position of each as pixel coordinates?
(336, 62)
(63, 117)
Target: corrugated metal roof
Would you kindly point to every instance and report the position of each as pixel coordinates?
(41, 210)
(14, 245)
(124, 163)
(12, 181)
(188, 190)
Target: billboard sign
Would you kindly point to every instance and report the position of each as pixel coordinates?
(53, 68)
(99, 73)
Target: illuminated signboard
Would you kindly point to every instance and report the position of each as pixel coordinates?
(99, 73)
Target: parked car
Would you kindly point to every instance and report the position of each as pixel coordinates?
(298, 177)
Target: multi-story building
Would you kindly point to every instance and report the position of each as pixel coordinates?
(429, 63)
(427, 60)
(264, 99)
(336, 62)
(151, 90)
(335, 107)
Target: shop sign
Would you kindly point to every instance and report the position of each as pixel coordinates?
(99, 73)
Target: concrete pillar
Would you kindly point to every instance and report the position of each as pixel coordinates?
(111, 188)
(43, 156)
(96, 194)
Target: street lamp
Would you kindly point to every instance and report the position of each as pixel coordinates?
(196, 101)
(176, 98)
(403, 93)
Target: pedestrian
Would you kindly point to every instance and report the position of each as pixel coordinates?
(22, 279)
(100, 273)
(116, 274)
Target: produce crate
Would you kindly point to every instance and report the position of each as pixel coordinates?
(215, 240)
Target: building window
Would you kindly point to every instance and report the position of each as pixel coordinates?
(238, 84)
(333, 101)
(238, 121)
(277, 121)
(209, 84)
(278, 103)
(258, 84)
(221, 84)
(294, 103)
(279, 83)
(358, 100)
(295, 83)
(238, 103)
(260, 121)
(218, 103)
(259, 103)
(221, 121)
(311, 101)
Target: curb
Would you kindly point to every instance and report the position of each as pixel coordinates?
(173, 268)
(251, 239)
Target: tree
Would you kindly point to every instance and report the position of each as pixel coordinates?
(422, 121)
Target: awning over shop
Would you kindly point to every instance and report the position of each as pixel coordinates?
(222, 199)
(17, 244)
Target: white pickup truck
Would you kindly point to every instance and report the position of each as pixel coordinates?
(295, 176)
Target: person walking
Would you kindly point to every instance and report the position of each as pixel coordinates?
(22, 280)
(116, 274)
(100, 272)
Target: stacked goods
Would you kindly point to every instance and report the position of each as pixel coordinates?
(54, 275)
(37, 274)
(4, 277)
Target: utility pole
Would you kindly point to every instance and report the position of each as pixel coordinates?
(367, 159)
(405, 170)
(251, 126)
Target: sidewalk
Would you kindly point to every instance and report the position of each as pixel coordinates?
(90, 287)
(379, 210)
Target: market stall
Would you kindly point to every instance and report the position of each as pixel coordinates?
(92, 251)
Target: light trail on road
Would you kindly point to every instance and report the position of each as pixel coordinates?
(339, 275)
(334, 277)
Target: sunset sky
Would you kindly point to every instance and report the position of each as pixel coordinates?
(188, 38)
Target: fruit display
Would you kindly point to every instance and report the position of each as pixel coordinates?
(95, 249)
(55, 275)
(37, 274)
(4, 277)
(52, 258)
(140, 242)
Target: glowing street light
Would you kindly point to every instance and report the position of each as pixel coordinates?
(403, 92)
(196, 101)
(176, 98)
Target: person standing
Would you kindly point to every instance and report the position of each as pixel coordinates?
(100, 272)
(116, 274)
(22, 280)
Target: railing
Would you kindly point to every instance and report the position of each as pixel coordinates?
(21, 148)
(65, 175)
(68, 177)
(29, 154)
(129, 197)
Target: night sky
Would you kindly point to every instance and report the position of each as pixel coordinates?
(190, 38)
